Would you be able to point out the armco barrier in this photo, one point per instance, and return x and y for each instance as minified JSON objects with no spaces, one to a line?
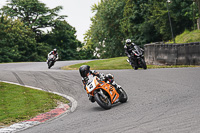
{"x":172,"y":54}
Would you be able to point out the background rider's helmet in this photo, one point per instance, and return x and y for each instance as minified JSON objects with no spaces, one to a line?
{"x":55,"y":50}
{"x":84,"y":70}
{"x":128,"y":42}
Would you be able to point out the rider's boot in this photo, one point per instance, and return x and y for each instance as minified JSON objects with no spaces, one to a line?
{"x":128,"y":61}
{"x":91,"y":98}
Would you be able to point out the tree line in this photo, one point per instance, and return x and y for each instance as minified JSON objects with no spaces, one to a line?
{"x":22,"y":36}
{"x":143,"y":21}
{"x":22,"y":22}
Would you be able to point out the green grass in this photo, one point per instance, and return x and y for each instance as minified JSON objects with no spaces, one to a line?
{"x":18,"y":103}
{"x":188,"y":37}
{"x":114,"y":63}
{"x":111,"y":63}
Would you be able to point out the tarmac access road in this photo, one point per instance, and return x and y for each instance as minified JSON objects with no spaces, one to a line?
{"x":159,"y":100}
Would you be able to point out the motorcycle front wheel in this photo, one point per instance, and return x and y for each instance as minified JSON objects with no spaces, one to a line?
{"x":50,"y":64}
{"x":134,"y":66}
{"x":102,"y":100}
{"x":123,"y":96}
{"x":143,"y":64}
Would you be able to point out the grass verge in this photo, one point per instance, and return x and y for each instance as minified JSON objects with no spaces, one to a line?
{"x":18,"y":103}
{"x":115,"y":63}
{"x":188,"y":37}
{"x":106,"y":64}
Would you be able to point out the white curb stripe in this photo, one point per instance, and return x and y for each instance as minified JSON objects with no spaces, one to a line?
{"x":19,"y":126}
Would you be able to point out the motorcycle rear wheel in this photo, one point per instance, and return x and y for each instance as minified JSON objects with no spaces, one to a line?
{"x":103,"y":102}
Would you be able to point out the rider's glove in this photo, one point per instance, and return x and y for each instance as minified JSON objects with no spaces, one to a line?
{"x":102,"y":77}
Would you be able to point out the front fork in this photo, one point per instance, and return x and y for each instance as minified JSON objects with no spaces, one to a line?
{"x":102,"y":94}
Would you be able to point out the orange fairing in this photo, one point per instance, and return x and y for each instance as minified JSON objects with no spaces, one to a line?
{"x":111,"y":91}
{"x":94,"y":85}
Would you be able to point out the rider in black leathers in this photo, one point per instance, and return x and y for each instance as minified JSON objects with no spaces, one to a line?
{"x":85,"y":72}
{"x":128,"y":47}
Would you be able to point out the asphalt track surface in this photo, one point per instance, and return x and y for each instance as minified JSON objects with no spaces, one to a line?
{"x":159,"y":100}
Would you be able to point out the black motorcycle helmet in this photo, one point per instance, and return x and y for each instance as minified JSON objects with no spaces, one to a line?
{"x":84,"y":70}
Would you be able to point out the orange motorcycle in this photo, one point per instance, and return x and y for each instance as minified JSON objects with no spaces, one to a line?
{"x":104,"y":93}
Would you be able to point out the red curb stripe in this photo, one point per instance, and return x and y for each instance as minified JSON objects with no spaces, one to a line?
{"x":48,"y":115}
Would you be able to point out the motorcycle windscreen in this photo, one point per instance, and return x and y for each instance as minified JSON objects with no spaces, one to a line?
{"x":138,"y":49}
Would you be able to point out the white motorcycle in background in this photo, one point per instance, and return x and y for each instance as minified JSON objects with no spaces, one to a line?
{"x":51,"y":60}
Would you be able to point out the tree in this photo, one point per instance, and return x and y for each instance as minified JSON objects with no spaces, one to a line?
{"x":105,"y":31}
{"x":136,"y":23}
{"x":125,"y":22}
{"x":198,"y":4}
{"x":22,"y":39}
{"x":63,"y":38}
{"x":148,"y":21}
{"x":32,"y":13}
{"x":198,"y":20}
{"x":17,"y":41}
{"x":143,"y":21}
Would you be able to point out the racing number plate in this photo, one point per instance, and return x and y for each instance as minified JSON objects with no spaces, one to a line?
{"x":90,"y":86}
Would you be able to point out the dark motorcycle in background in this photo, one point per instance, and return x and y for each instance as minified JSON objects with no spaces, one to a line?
{"x":137,"y":58}
{"x":51,"y":61}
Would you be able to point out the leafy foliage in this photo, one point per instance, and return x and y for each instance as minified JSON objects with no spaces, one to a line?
{"x":143,"y":21}
{"x":21,"y":37}
{"x":33,"y":13}
{"x":105,"y":34}
{"x":63,"y":38}
{"x":17,"y":41}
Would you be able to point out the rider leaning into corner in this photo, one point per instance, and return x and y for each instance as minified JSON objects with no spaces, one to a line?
{"x":85,"y":73}
{"x":54,"y":52}
{"x":128,"y":47}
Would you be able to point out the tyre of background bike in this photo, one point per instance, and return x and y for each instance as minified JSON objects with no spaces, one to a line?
{"x":101,"y":103}
{"x":50,"y":64}
{"x":133,"y":66}
{"x":123,"y":96}
{"x":144,"y":66}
